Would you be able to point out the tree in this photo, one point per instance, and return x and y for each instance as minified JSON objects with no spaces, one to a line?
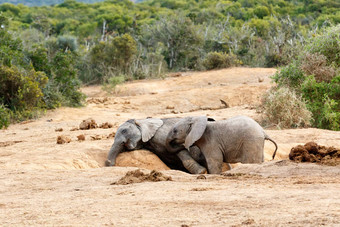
{"x":179,"y":36}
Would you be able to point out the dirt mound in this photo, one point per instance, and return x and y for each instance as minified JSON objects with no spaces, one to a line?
{"x":141,"y":159}
{"x":312,"y":152}
{"x":137,"y":176}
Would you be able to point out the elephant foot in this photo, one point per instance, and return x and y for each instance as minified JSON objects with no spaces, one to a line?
{"x":109,"y":163}
{"x":201,"y":170}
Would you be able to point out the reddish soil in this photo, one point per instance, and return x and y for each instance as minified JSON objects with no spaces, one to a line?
{"x":43,"y":183}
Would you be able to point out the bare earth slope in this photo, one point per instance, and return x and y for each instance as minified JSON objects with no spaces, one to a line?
{"x":43,"y":183}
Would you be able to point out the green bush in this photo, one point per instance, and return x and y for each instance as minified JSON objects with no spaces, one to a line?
{"x":109,"y":59}
{"x":217,"y":60}
{"x":21,"y":90}
{"x":5,"y":116}
{"x":112,"y":82}
{"x":64,"y":78}
{"x":53,"y":98}
{"x":290,"y":76}
{"x":323,"y":100}
{"x":316,"y":76}
{"x":284,"y":108}
{"x":67,"y":43}
{"x":327,"y":44}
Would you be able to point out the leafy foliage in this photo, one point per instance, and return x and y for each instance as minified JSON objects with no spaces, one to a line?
{"x":5,"y":116}
{"x":216,"y":60}
{"x":43,"y":2}
{"x":20,"y":91}
{"x":34,"y":79}
{"x":316,"y":76}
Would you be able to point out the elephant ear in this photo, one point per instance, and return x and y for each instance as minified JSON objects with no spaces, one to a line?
{"x":198,"y":126}
{"x":149,"y":127}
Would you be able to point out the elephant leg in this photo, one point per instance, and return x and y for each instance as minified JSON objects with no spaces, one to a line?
{"x":197,"y":155}
{"x":214,"y":163}
{"x":253,"y":151}
{"x":190,"y":164}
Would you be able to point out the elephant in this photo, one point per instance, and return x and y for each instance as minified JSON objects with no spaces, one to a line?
{"x":238,"y":139}
{"x":151,"y":134}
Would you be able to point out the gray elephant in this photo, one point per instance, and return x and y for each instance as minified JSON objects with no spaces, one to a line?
{"x":151,"y":134}
{"x":238,"y":139}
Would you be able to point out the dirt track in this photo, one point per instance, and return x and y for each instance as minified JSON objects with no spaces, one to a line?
{"x":44,"y":183}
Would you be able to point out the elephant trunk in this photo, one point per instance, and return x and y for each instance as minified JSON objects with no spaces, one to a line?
{"x":172,"y":146}
{"x":114,"y":151}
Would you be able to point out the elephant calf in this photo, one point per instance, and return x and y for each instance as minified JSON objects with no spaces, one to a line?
{"x":151,"y":134}
{"x":238,"y":139}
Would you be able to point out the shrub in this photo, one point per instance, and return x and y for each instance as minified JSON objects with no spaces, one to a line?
{"x":124,"y":50}
{"x":327,"y":44}
{"x":290,"y":76}
{"x":53,"y":98}
{"x":284,"y":108}
{"x":21,"y":90}
{"x":21,"y":93}
{"x":110,"y":86}
{"x":107,"y":59}
{"x":67,"y":43}
{"x":323,"y":101}
{"x":64,"y":77}
{"x":217,"y":60}
{"x":261,"y":11}
{"x":5,"y":116}
{"x":316,"y":64}
{"x":316,"y":76}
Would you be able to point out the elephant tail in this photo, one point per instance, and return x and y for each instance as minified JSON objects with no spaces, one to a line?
{"x":268,"y":138}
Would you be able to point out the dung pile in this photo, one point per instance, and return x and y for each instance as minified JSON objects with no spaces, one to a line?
{"x":88,"y":124}
{"x":138,"y":176}
{"x":312,"y":152}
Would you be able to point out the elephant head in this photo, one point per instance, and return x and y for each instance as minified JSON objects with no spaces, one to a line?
{"x":131,"y":135}
{"x":187,"y":131}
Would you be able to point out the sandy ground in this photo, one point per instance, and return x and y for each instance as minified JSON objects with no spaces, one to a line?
{"x":43,"y":183}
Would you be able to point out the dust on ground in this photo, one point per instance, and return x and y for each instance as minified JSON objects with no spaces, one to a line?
{"x":43,"y":183}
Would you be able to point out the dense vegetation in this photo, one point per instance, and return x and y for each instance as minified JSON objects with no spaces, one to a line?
{"x":42,"y":2}
{"x":315,"y":76}
{"x":47,"y":52}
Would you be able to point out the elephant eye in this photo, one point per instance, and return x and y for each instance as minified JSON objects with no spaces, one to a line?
{"x":124,"y":131}
{"x":175,"y":131}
